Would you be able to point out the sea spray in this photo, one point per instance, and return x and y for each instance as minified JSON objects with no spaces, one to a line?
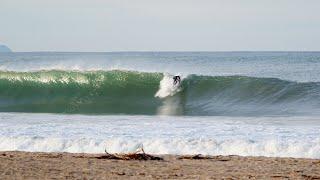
{"x":167,"y":87}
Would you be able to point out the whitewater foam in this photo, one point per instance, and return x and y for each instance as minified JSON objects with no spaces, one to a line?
{"x":167,"y":87}
{"x":282,"y":136}
{"x":243,"y":147}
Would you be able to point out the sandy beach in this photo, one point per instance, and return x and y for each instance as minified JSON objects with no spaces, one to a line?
{"x":31,"y":165}
{"x":93,"y":89}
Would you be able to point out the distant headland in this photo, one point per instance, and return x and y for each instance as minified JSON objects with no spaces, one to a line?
{"x":4,"y":48}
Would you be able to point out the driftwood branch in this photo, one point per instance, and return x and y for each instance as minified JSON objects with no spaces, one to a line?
{"x":138,"y":155}
{"x":200,"y":156}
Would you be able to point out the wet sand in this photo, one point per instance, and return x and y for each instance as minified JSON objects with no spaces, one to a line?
{"x":30,"y":165}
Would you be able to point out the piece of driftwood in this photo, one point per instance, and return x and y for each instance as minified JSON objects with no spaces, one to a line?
{"x":200,"y":156}
{"x":138,"y":155}
{"x":197,"y":156}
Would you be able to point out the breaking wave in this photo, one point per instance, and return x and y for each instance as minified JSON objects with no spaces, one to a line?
{"x":131,"y":92}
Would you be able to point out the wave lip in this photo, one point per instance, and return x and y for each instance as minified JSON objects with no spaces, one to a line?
{"x":130,"y":92}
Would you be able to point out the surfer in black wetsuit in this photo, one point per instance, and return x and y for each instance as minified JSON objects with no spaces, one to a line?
{"x":176,"y":79}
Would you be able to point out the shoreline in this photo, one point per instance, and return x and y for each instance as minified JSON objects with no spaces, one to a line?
{"x":35,"y":165}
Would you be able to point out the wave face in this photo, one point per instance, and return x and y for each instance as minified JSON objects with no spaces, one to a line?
{"x":130,"y":92}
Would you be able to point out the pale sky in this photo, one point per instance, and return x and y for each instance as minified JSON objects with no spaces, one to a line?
{"x":160,"y":25}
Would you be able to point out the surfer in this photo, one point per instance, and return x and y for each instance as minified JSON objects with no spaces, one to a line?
{"x":176,"y":79}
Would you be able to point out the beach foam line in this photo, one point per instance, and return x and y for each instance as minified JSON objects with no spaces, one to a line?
{"x":246,"y":136}
{"x":179,"y":146}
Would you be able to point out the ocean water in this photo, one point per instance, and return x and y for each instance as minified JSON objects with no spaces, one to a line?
{"x":240,"y":103}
